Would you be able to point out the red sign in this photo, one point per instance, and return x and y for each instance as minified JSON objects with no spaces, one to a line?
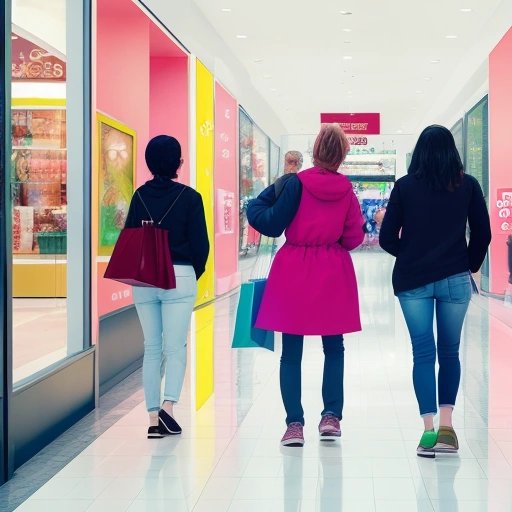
{"x":359,"y":124}
{"x":31,"y":62}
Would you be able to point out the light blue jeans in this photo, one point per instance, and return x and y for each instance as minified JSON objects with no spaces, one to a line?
{"x":165,"y":319}
{"x":449,"y":298}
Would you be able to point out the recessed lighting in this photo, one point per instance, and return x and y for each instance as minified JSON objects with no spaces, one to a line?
{"x":435,"y":61}
{"x":347,"y":30}
{"x":451,"y":36}
{"x":347,"y":42}
{"x":427,"y":78}
{"x":241,"y":36}
{"x":258,"y":60}
{"x":273,"y":89}
{"x":466,"y":9}
{"x":347,"y":57}
{"x":226,"y":9}
{"x":399,"y":131}
{"x":419,"y":92}
{"x":345,"y":13}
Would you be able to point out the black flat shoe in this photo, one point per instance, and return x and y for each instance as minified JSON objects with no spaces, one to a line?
{"x":168,"y":424}
{"x":154,"y":433}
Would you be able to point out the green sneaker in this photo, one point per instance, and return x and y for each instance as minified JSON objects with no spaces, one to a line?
{"x":426,"y":446}
{"x":447,"y":441}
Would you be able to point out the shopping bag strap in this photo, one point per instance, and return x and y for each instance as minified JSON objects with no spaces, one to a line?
{"x":168,"y":209}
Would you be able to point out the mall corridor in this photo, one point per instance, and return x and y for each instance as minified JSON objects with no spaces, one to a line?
{"x":229,"y":458}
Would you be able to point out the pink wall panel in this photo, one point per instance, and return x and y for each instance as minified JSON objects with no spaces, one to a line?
{"x":500,"y":196}
{"x":148,"y":94}
{"x":169,"y":103}
{"x":123,"y":70}
{"x":226,"y":192}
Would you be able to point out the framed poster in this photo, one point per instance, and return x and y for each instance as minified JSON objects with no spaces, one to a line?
{"x":116,"y":179}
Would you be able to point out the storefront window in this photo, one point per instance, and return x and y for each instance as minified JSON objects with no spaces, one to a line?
{"x":45,"y":294}
{"x":254,"y":178}
{"x":476,"y":161}
{"x":274,"y":162}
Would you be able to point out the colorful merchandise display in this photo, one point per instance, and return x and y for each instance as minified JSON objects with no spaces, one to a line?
{"x":38,"y":180}
{"x":372,"y":173}
{"x":373,"y":197}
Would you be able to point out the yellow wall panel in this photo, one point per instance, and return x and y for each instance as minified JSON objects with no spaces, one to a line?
{"x":204,"y":168}
{"x":204,"y":318}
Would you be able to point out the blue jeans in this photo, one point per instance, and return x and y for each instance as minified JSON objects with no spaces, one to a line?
{"x":450,"y":299}
{"x":165,"y":319}
{"x":290,"y":376}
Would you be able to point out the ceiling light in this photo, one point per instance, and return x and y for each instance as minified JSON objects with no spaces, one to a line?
{"x":258,"y":60}
{"x":345,"y":13}
{"x":347,"y":42}
{"x":451,"y":36}
{"x":241,"y":36}
{"x":427,"y":78}
{"x":347,"y":30}
{"x":419,"y":92}
{"x":466,"y":9}
{"x":273,"y":89}
{"x":349,"y":92}
{"x":226,"y":9}
{"x":399,"y":131}
{"x":435,"y":61}
{"x":347,"y":57}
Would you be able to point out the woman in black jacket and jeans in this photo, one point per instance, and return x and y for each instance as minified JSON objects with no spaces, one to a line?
{"x":165,"y":314}
{"x":425,"y":229}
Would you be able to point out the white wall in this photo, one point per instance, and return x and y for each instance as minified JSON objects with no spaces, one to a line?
{"x":187,"y":23}
{"x":469,"y":81}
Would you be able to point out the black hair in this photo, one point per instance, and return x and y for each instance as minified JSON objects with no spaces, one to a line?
{"x":436,"y":159}
{"x":163,"y":156}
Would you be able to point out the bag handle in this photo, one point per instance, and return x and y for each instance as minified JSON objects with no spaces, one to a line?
{"x":168,"y":209}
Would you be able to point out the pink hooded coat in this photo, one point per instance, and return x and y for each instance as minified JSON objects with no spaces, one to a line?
{"x":312,"y":288}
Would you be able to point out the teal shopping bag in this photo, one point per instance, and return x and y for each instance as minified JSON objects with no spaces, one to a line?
{"x":246,"y":335}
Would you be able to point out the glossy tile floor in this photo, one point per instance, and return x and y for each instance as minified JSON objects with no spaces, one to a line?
{"x":229,"y":458}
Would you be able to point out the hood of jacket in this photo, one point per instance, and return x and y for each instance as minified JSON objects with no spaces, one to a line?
{"x":159,"y":188}
{"x":325,"y":185}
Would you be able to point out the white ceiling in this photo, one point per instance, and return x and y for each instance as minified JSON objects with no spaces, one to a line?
{"x":306,"y":57}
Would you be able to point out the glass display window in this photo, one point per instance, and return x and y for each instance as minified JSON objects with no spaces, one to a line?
{"x":38,"y":180}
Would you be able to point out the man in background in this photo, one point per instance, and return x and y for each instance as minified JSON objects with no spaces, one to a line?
{"x":292,"y":165}
{"x":292,"y":162}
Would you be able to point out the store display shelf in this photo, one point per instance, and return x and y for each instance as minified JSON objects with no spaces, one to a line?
{"x":38,"y":182}
{"x":39,"y":259}
{"x":39,"y":148}
{"x":371,"y":177}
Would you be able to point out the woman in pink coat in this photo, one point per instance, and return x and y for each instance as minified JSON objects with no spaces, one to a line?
{"x":311,"y":288}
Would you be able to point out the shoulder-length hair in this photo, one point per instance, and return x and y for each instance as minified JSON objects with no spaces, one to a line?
{"x":436,"y":159}
{"x":331,"y":147}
